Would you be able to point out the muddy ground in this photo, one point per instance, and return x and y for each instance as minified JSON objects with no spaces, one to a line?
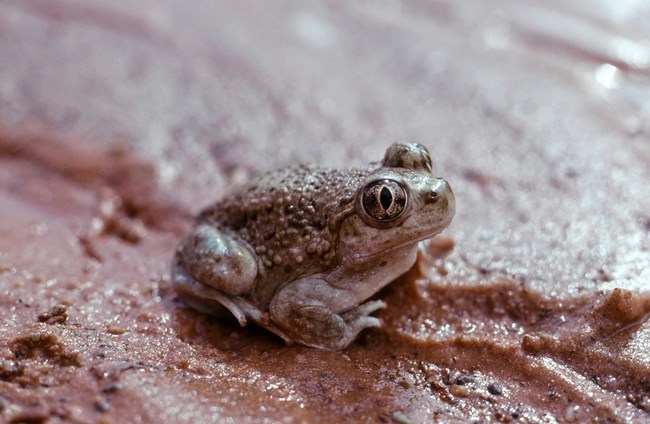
{"x":119,"y":122}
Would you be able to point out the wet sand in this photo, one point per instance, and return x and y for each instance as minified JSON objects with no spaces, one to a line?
{"x":118,"y":123}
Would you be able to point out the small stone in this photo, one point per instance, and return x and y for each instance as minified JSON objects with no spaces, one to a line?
{"x":112,"y":388}
{"x":495,"y":389}
{"x":459,"y":391}
{"x":400,"y":417}
{"x":8,"y":369}
{"x":464,"y":379}
{"x":405,"y":384}
{"x":101,"y":404}
{"x":58,"y":314}
{"x":116,"y":331}
{"x":450,"y":377}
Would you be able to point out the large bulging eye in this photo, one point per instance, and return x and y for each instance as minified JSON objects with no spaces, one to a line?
{"x":384,"y":200}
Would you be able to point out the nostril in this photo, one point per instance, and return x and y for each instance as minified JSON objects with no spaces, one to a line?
{"x":432,"y":197}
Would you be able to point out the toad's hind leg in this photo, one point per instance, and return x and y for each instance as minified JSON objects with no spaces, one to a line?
{"x":211,"y":268}
{"x":304,"y":310}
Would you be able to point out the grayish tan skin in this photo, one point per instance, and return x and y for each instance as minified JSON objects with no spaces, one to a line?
{"x":299,"y":250}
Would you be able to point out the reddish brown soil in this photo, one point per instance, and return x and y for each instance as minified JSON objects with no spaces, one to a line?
{"x":119,"y":122}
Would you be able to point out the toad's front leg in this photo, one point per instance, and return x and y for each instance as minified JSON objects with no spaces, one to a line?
{"x":306,"y":310}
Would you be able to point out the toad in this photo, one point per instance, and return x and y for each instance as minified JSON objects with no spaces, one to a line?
{"x":300,"y":250}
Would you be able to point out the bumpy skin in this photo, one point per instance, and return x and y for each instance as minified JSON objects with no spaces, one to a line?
{"x":299,"y":249}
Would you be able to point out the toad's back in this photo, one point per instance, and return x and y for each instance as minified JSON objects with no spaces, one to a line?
{"x":290,"y":217}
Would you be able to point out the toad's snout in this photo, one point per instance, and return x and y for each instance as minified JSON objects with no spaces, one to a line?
{"x":442,"y":198}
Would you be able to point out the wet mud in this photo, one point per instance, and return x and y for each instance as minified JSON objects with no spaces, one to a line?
{"x":119,"y":122}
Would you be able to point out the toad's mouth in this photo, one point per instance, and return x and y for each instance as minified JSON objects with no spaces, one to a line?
{"x":365,"y":257}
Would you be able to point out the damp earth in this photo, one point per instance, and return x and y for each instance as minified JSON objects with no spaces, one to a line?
{"x":120,"y":122}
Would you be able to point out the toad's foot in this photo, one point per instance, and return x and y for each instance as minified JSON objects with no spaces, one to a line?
{"x":363,"y":310}
{"x":317,"y":326}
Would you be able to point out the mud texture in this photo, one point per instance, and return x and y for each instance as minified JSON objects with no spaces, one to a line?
{"x":119,"y":122}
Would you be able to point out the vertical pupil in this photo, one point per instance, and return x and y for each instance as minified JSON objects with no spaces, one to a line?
{"x":385,"y":198}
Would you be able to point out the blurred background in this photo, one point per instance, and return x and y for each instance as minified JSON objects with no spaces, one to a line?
{"x":541,"y":106}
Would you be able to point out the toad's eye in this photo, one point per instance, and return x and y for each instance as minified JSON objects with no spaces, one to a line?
{"x":383,"y":200}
